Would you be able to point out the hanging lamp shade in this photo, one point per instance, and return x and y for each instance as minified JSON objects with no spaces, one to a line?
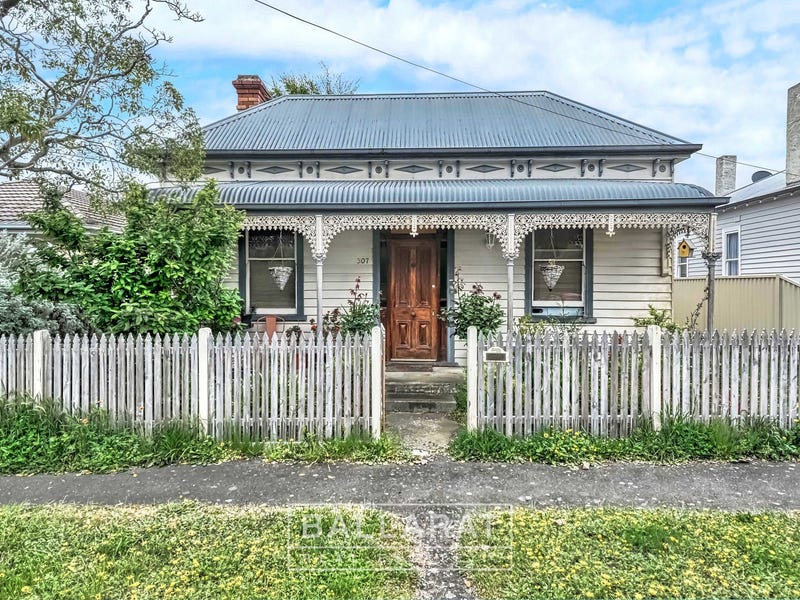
{"x":280,"y":275}
{"x":551,"y":273}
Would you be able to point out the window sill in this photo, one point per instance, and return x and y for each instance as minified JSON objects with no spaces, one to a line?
{"x":561,"y":319}
{"x":293,"y":318}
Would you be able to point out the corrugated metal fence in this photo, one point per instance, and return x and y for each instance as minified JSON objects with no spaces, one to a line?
{"x":607,"y":383}
{"x":742,"y":302}
{"x":246,"y":385}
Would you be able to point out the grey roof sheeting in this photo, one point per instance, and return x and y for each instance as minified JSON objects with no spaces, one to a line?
{"x":378,"y":124}
{"x":20,"y":197}
{"x":448,"y":194}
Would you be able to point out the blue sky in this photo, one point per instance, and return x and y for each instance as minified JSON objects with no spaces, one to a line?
{"x":711,"y":72}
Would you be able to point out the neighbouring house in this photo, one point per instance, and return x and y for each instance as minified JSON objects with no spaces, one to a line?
{"x":18,"y":198}
{"x":400,"y":190}
{"x":758,"y":230}
{"x":758,"y":236}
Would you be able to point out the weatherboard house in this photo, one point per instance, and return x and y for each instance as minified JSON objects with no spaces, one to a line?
{"x":564,"y":210}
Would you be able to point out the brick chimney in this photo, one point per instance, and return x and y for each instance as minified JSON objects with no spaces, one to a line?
{"x":250,"y":90}
{"x":726,"y":175}
{"x":793,"y":136}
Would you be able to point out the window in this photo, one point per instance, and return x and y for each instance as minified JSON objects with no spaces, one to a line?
{"x":683,"y":266}
{"x":731,"y":261}
{"x":272,"y":271}
{"x":563,"y":248}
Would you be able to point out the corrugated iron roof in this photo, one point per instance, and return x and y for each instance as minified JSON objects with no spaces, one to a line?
{"x":18,"y":198}
{"x":469,"y":194}
{"x":398,"y":122}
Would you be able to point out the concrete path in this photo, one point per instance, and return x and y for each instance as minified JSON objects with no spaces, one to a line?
{"x":424,"y":434}
{"x":730,"y":486}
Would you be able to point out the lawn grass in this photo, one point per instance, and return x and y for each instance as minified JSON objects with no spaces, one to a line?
{"x":633,"y":554}
{"x":679,"y":439}
{"x":40,"y":438}
{"x":190,"y":551}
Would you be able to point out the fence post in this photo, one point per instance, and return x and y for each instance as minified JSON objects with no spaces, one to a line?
{"x":654,"y":334}
{"x":201,"y":380}
{"x":472,"y":379}
{"x":40,"y":337}
{"x":376,"y":377}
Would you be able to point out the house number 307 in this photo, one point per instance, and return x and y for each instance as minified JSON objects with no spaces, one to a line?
{"x":362,"y":261}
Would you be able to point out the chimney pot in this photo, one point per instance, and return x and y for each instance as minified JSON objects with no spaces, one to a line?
{"x":726,"y":175}
{"x":250,"y":91}
{"x":793,"y":135}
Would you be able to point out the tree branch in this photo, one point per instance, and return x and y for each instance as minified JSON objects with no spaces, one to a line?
{"x":6,"y":6}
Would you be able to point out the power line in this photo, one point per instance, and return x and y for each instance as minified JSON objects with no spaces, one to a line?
{"x":473,"y":85}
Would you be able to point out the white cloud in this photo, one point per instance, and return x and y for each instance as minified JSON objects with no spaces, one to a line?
{"x":715,"y":74}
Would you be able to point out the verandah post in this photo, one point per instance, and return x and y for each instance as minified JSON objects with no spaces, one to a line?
{"x":376,"y":377}
{"x":201,"y":377}
{"x":40,"y":337}
{"x":472,"y":379}
{"x":654,"y":335}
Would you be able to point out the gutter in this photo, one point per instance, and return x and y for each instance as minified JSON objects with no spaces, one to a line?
{"x":645,"y":151}
{"x":672,"y":205}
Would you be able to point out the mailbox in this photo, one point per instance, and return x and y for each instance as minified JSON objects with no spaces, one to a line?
{"x":495,"y":354}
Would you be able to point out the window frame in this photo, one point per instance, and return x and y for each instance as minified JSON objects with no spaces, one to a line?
{"x":587,"y":291}
{"x":682,"y":267}
{"x":725,"y":258}
{"x":296,"y":313}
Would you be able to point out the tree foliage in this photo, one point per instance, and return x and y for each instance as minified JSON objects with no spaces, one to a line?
{"x":20,"y":314}
{"x":83,"y":98}
{"x":163,"y":273}
{"x":324,"y":82}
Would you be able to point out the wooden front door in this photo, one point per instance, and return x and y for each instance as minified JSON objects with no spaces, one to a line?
{"x":414,"y":297}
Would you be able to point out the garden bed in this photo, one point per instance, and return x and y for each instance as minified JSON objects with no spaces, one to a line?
{"x":42,"y":439}
{"x":678,"y":439}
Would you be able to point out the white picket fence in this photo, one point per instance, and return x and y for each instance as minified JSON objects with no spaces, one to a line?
{"x":247,"y":385}
{"x":607,"y":383}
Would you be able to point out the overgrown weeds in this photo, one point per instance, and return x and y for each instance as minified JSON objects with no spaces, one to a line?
{"x":679,"y":439}
{"x":38,"y":437}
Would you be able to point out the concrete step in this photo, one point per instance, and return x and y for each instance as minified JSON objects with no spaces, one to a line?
{"x":412,"y":388}
{"x":419,"y":405}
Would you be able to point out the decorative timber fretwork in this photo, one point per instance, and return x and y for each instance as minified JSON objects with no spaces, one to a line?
{"x":510,"y":229}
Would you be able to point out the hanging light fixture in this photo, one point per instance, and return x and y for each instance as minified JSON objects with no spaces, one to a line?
{"x":551,"y":272}
{"x":490,"y":240}
{"x":281,"y":273}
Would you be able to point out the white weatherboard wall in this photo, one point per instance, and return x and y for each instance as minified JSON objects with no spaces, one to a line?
{"x":349,"y":256}
{"x":627,"y":277}
{"x":769,"y":239}
{"x":488,"y":268}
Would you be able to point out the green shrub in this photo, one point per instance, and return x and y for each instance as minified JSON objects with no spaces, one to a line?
{"x":472,"y":309}
{"x":361,"y":314}
{"x":658,"y":317}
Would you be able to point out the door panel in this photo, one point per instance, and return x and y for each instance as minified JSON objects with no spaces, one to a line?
{"x":414,"y":297}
